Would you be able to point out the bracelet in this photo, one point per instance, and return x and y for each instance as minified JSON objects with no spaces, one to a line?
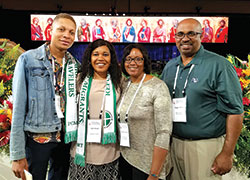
{"x":154,"y":175}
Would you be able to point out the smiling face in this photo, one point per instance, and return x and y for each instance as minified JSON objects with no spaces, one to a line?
{"x":135,"y":70}
{"x":62,"y":34}
{"x":189,"y":46}
{"x":100,"y":61}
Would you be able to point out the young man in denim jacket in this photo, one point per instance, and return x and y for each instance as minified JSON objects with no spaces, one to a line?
{"x":37,"y":135}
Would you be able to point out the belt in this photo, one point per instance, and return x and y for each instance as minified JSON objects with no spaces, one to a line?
{"x":192,"y":139}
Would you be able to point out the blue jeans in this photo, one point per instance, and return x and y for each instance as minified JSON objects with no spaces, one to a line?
{"x":39,"y":155}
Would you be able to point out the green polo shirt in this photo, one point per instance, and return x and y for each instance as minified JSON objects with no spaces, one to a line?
{"x":213,"y":91}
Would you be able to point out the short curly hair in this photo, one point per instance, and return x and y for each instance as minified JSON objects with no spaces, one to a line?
{"x":147,"y":61}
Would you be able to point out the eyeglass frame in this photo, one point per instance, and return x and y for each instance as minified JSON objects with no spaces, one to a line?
{"x":134,"y":59}
{"x":187,"y":34}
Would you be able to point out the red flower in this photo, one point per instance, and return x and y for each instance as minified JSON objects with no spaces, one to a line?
{"x":3,"y":118}
{"x":238,"y":71}
{"x":4,"y":138}
{"x":9,"y":104}
{"x":1,"y":100}
{"x":5,"y":77}
{"x":241,"y":85}
{"x":4,"y":122}
{"x":1,"y":50}
{"x":246,"y":101}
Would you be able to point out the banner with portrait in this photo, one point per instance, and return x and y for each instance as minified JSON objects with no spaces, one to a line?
{"x":127,"y":29}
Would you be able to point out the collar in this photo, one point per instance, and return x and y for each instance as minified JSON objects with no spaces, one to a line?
{"x":197,"y":59}
{"x":47,"y":50}
{"x":67,"y":55}
{"x":42,"y":53}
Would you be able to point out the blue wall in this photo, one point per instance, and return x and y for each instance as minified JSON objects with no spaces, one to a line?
{"x":157,"y":52}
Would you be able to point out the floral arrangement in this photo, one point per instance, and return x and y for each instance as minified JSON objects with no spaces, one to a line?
{"x":242,"y":150}
{"x":9,"y":52}
{"x":243,"y":71}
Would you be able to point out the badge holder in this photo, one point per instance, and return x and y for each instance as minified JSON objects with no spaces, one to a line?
{"x":94,"y":131}
{"x":58,"y":107}
{"x":124,"y":134}
{"x":179,"y":109}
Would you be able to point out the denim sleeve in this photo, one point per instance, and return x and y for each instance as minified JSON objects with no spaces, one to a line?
{"x":19,"y":88}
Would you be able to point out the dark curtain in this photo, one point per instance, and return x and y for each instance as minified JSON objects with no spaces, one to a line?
{"x":160,"y":54}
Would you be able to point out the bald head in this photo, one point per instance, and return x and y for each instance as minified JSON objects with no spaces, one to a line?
{"x":191,"y":21}
{"x":189,"y":35}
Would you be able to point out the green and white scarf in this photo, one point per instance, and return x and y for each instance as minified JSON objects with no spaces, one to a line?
{"x":71,"y":101}
{"x":109,"y":120}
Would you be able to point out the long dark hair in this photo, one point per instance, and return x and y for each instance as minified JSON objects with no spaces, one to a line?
{"x":114,"y":68}
{"x":147,"y":61}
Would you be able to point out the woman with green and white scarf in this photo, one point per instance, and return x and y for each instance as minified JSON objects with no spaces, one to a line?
{"x":94,"y":151}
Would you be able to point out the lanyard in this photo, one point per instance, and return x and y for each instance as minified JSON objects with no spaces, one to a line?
{"x":53,"y":66}
{"x":175,"y":80}
{"x":137,"y":90}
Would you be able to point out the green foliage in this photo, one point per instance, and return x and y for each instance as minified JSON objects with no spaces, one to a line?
{"x":9,"y":53}
{"x":242,"y":150}
{"x":156,"y":75}
{"x":8,"y":59}
{"x":1,"y":89}
{"x":5,"y":150}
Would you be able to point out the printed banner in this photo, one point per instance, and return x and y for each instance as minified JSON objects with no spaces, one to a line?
{"x":157,"y":29}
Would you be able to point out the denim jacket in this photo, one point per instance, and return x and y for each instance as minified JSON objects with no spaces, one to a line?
{"x":33,"y":99}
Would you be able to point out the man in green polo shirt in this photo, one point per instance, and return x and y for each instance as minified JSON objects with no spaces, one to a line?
{"x":207,"y":107}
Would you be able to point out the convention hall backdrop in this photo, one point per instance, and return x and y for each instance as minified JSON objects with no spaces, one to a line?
{"x":16,"y":21}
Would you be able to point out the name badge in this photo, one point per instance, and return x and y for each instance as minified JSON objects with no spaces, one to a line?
{"x":124,"y":134}
{"x":179,"y":109}
{"x":94,"y":131}
{"x":58,"y":107}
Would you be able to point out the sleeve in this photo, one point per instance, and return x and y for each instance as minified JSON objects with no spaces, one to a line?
{"x":138,"y":35}
{"x":162,"y":115}
{"x":19,"y":87}
{"x":93,"y":33}
{"x":148,"y":33}
{"x":132,"y":30}
{"x":229,"y":94}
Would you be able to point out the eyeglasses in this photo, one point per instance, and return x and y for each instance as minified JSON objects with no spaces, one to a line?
{"x":138,"y":60}
{"x":190,"y":34}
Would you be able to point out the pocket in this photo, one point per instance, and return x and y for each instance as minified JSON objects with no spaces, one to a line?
{"x":41,"y":78}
